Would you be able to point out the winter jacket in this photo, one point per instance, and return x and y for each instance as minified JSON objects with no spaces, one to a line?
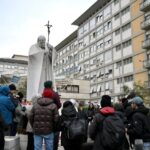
{"x":6,"y":105}
{"x":68,"y":113}
{"x":43,"y":117}
{"x":139,"y":128}
{"x":50,"y":93}
{"x":96,"y":126}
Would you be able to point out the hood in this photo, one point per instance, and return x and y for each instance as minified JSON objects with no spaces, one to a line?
{"x":107,"y":110}
{"x":49,"y":93}
{"x":142,"y":109}
{"x":4,"y":90}
{"x":69,"y":111}
{"x":44,"y":101}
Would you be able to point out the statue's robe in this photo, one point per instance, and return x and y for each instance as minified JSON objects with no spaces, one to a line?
{"x":40,"y":69}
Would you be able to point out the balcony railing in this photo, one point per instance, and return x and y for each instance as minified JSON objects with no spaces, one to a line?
{"x":147,"y":63}
{"x":147,"y":84}
{"x":145,"y":6}
{"x":146,"y":43}
{"x":145,"y":24}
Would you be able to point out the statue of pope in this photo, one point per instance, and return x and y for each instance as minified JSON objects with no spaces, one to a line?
{"x":40,"y":66}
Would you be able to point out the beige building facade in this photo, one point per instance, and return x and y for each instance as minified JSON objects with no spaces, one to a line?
{"x":110,"y":48}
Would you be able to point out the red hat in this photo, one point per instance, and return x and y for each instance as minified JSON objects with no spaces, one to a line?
{"x":47,"y":93}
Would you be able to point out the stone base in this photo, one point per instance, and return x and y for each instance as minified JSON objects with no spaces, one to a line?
{"x":12,"y":143}
{"x":23,"y":141}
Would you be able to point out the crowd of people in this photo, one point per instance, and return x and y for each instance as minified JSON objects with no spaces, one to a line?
{"x":107,"y":126}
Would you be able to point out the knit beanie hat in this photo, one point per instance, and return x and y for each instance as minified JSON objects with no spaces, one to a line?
{"x":47,"y":93}
{"x":48,"y":84}
{"x":105,"y":101}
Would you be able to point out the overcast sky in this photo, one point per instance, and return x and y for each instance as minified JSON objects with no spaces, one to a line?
{"x":22,"y":21}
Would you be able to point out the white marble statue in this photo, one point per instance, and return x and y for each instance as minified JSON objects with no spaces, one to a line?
{"x":40,"y":66}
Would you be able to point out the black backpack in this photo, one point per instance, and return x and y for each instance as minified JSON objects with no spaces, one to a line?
{"x":76,"y":130}
{"x":113,"y":132}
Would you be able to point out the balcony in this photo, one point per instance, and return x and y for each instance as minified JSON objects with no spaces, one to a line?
{"x":145,"y":6}
{"x":145,"y":25}
{"x":147,"y":84}
{"x":147,"y":63}
{"x":146,"y":44}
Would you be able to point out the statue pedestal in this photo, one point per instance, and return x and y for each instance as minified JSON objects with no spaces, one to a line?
{"x":12,"y":143}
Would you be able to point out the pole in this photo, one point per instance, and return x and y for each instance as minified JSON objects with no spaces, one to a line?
{"x":48,"y":28}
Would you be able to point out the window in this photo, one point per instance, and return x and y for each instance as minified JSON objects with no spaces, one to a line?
{"x":108,"y":42}
{"x":116,"y":2}
{"x":127,"y":61}
{"x":86,"y":41}
{"x":117,"y":32}
{"x":108,"y":55}
{"x":93,"y":49}
{"x":80,"y":32}
{"x":107,"y":26}
{"x":128,"y":78}
{"x":118,"y":64}
{"x":72,"y":88}
{"x":126,"y":44}
{"x":99,"y":18}
{"x":92,"y":23}
{"x":107,"y":86}
{"x":93,"y":35}
{"x":118,"y":47}
{"x":80,"y":43}
{"x":100,"y":30}
{"x":126,"y":27}
{"x":100,"y":44}
{"x":86,"y":28}
{"x":119,"y":80}
{"x":117,"y":16}
{"x":126,"y":10}
{"x":107,"y":12}
{"x":86,"y":52}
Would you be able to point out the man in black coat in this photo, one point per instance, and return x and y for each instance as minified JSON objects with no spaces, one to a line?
{"x":139,"y":128}
{"x":96,"y":127}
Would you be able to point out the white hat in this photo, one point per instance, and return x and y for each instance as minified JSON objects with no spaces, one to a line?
{"x":73,"y":101}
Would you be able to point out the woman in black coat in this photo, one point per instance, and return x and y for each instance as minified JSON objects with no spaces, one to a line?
{"x":68,"y":113}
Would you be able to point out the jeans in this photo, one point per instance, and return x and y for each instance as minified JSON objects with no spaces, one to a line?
{"x":146,"y":146}
{"x":48,"y":140}
{"x":56,"y":140}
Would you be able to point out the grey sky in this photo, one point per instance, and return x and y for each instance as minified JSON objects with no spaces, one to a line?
{"x":22,"y":21}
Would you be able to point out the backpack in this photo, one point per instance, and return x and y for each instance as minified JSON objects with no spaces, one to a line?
{"x":113,"y":132}
{"x":76,"y":130}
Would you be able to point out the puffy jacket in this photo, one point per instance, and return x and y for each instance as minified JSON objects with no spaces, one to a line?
{"x":68,"y":113}
{"x":44,"y":115}
{"x":6,"y":105}
{"x":140,"y":128}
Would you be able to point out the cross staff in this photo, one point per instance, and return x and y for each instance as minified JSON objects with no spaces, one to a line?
{"x":48,"y":27}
